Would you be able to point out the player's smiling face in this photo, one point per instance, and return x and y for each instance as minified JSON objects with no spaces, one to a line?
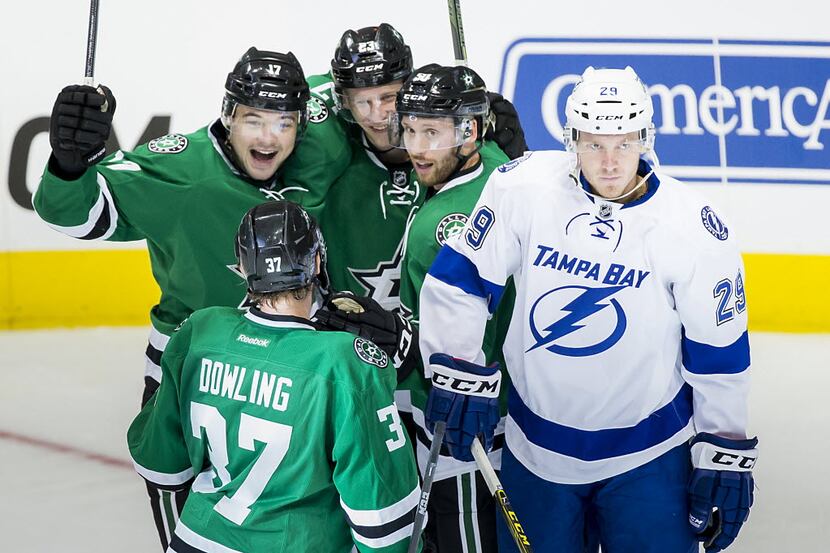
{"x":609,"y":161}
{"x":431,"y":143}
{"x":262,"y":140}
{"x":371,"y":107}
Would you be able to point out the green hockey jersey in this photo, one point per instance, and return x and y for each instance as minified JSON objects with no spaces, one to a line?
{"x":289,"y":435}
{"x":365,"y":216}
{"x":182,"y":194}
{"x":441,"y":217}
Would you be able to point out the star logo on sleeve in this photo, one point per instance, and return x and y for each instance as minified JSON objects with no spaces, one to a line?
{"x":383,"y":283}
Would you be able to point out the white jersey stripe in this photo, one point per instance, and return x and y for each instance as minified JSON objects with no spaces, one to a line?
{"x":164,"y":478}
{"x":379,"y":517}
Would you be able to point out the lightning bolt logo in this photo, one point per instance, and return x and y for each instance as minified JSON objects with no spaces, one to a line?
{"x":580,"y":308}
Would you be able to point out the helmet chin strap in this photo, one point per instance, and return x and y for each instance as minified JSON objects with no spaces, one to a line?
{"x":639,"y":185}
{"x":462,"y":160}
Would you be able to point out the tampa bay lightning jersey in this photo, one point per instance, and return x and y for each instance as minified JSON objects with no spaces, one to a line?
{"x":629,"y":328}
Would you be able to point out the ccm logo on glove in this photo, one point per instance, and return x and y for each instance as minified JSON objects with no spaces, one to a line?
{"x":460,"y":382}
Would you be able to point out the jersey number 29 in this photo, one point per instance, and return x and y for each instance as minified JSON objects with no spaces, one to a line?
{"x":276,"y":438}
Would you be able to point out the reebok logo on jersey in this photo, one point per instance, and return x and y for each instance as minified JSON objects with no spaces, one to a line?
{"x":261,"y":342}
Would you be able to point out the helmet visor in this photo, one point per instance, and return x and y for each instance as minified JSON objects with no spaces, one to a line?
{"x":420,"y":132}
{"x":260,"y":122}
{"x":367,"y":105}
{"x":599,"y":145}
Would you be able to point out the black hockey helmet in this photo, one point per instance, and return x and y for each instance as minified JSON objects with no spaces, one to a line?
{"x":371,"y":56}
{"x":266,"y":80}
{"x":277,"y":245}
{"x":442,"y":91}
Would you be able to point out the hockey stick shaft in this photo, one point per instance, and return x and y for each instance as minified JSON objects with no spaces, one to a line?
{"x":457,"y":29}
{"x":429,"y":477}
{"x":91,"y":43}
{"x":496,"y":489}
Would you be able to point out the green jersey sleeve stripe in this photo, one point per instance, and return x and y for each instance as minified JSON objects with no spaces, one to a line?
{"x":164,"y":478}
{"x":101,"y":221}
{"x":379,"y":517}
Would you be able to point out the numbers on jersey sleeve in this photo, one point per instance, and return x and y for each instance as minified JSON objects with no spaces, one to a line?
{"x":725,"y":310}
{"x":480,"y":224}
{"x":395,"y":427}
{"x":276,"y":438}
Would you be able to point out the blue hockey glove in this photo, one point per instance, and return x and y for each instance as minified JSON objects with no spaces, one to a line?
{"x":466,"y":397}
{"x":721,"y":488}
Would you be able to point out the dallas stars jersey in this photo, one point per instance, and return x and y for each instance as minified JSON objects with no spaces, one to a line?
{"x":291,"y":434}
{"x":437,"y":220}
{"x":365,"y":218}
{"x":629,"y":329}
{"x":183,"y":196}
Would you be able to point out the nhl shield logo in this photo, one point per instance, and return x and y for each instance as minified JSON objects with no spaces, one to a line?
{"x":168,"y":144}
{"x":399,"y":178}
{"x":317,"y":110}
{"x":370,"y":353}
{"x":449,"y":226}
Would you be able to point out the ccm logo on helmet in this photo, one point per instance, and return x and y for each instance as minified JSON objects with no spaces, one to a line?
{"x":278,"y":95}
{"x":730,"y":459}
{"x":368,"y":68}
{"x":608,"y":117}
{"x":415,"y":97}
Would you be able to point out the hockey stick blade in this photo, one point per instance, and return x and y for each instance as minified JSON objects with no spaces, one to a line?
{"x":498,"y":492}
{"x":432,"y":463}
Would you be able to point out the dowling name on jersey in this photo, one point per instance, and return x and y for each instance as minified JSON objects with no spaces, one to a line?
{"x":227,"y":380}
{"x":615,"y":274}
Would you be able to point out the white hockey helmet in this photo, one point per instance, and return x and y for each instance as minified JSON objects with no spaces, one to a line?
{"x":609,"y":101}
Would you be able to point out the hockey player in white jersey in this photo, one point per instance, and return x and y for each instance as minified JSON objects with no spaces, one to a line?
{"x":627,"y":348}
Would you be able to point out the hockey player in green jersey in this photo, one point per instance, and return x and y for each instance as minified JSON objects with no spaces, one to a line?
{"x":441,"y":112}
{"x":368,"y":207}
{"x":184,"y":194}
{"x":287,"y":436}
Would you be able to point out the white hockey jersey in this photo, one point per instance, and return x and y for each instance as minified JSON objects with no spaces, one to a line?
{"x":629,"y":328}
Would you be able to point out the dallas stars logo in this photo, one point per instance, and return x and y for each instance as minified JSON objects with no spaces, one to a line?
{"x":383,"y":283}
{"x":468,"y":80}
{"x":449,"y":226}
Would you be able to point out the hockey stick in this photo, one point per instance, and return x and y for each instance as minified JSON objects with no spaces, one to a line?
{"x":457,"y":29}
{"x":91,"y":43}
{"x":496,"y":489}
{"x":91,"y":47}
{"x":432,"y":463}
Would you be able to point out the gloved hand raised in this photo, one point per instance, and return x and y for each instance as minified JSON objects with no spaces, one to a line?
{"x":508,"y":132}
{"x":366,"y":318}
{"x":466,"y":397}
{"x":721,"y":488}
{"x":80,"y":125}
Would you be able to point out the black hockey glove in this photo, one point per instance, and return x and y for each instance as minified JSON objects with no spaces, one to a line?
{"x":367,"y":319}
{"x":508,"y":133}
{"x":78,"y":129}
